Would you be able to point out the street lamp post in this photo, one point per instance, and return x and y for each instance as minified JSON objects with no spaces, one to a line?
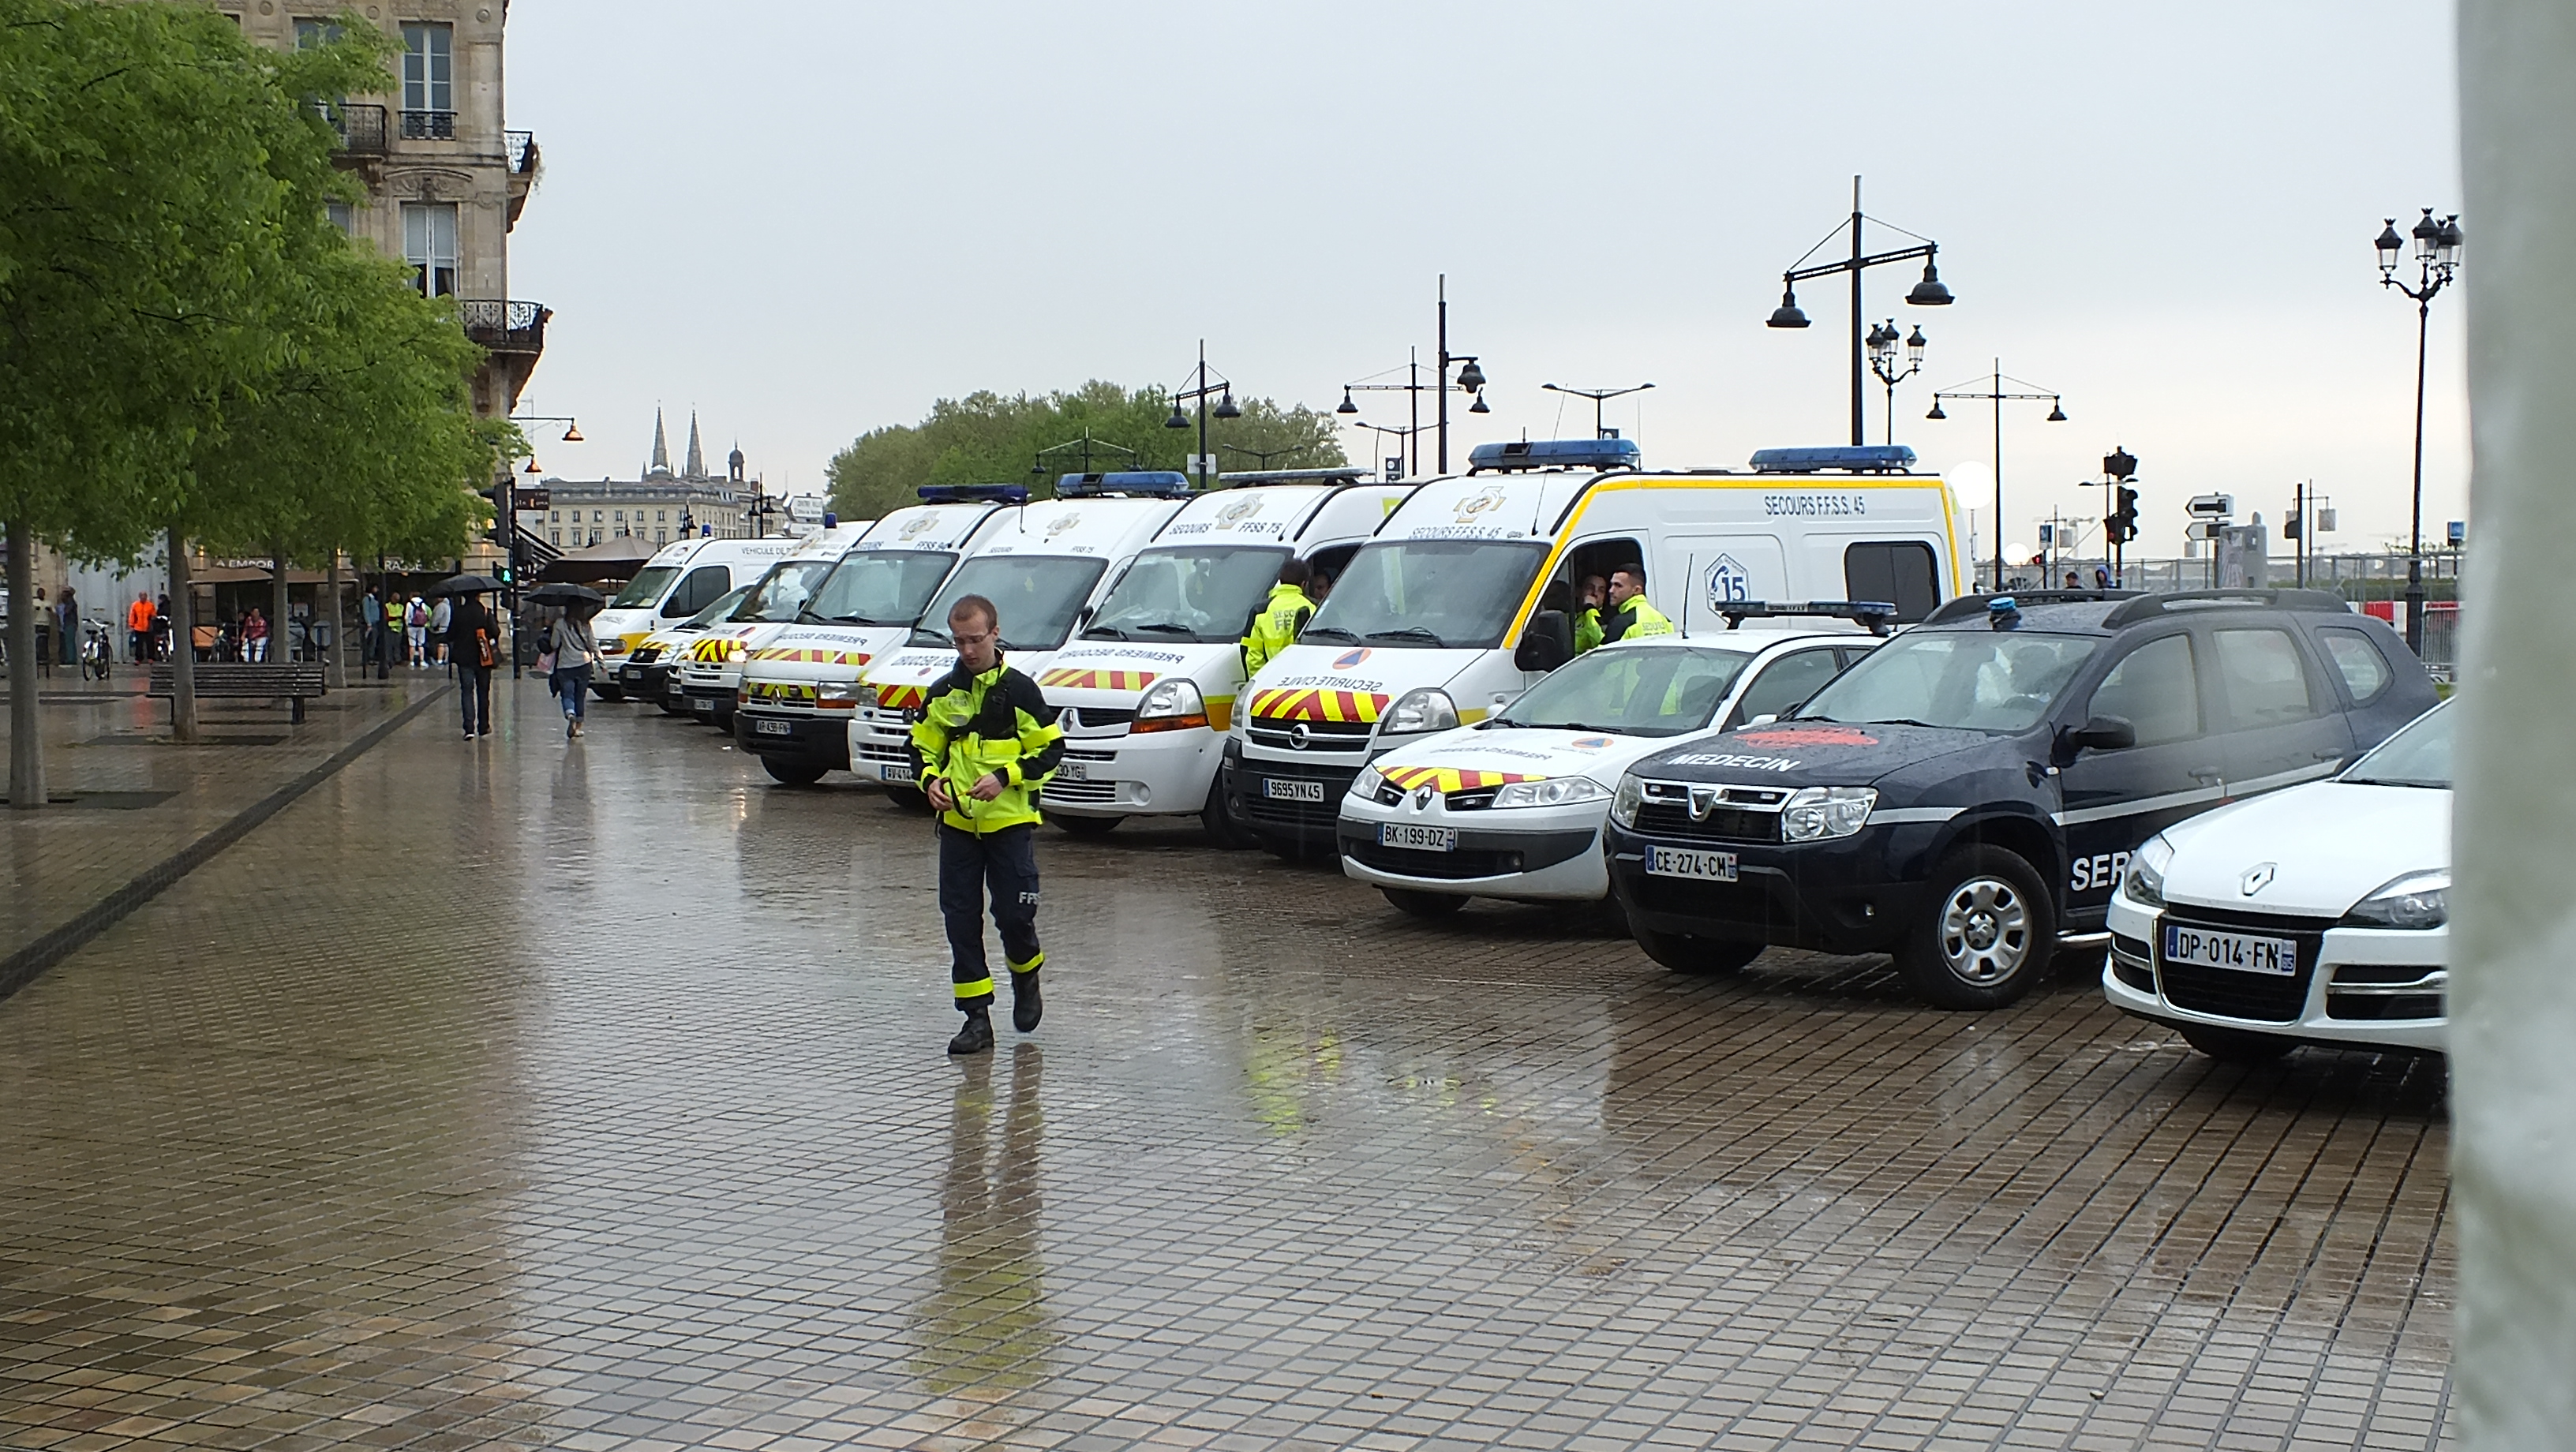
{"x":1198,"y":391}
{"x":1996,"y":393}
{"x":1403,"y":447}
{"x":2437,"y":261}
{"x":1882,"y":341}
{"x":1471,"y":379}
{"x":509,"y":522}
{"x":1261,"y":457}
{"x":1598,"y":397}
{"x":1929,"y":293}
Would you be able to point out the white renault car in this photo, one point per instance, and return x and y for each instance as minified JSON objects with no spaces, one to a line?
{"x":2315,"y":915}
{"x":1512,"y":806}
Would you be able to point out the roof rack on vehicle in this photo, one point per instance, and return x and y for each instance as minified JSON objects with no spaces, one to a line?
{"x":1145,"y":483}
{"x":2147,"y":606}
{"x":1973,"y":607}
{"x":1878,"y":616}
{"x":1339,"y":474}
{"x":974,"y":493}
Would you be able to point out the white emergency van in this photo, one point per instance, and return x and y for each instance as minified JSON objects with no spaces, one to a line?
{"x":1046,"y":568}
{"x":679,"y":581}
{"x":1148,"y":688}
{"x":1462,"y":600}
{"x":708,"y":670}
{"x":792,"y":708}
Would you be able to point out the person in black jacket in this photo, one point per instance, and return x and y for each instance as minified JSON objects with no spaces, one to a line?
{"x":474,"y":634}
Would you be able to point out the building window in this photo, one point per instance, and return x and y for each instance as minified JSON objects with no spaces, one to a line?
{"x":661,"y":516}
{"x":558,"y":537}
{"x":342,"y":215}
{"x":661,"y":535}
{"x":429,"y":81}
{"x":429,"y":245}
{"x":555,"y":518}
{"x":595,"y":517}
{"x":312,"y":33}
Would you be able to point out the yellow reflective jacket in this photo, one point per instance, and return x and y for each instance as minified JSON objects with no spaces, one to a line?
{"x":1636,"y":618}
{"x":975,"y":726}
{"x":1275,"y":628}
{"x":1587,"y":629}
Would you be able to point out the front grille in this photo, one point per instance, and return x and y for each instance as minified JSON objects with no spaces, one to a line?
{"x":2381,"y":991}
{"x":2228,"y":993}
{"x":645,"y":655}
{"x":879,"y":751}
{"x":1320,"y":735}
{"x":1305,"y":817}
{"x":2383,"y":1006}
{"x":2132,"y":963}
{"x":1072,"y":755}
{"x":1445,"y":866}
{"x":1475,"y":801}
{"x":1725,"y":824}
{"x":1088,"y":717}
{"x":1090,"y":793}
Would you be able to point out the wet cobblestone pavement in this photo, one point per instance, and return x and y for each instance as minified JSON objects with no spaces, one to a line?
{"x":523,"y":1094}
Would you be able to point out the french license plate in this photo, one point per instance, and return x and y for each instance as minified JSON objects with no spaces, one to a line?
{"x":898,"y":771}
{"x":2242,"y":952}
{"x":1286,"y":789}
{"x":773,"y":728}
{"x":1074,"y":770}
{"x":1690,"y":862}
{"x":631,"y":675}
{"x":1419,"y":839}
{"x":702,"y":705}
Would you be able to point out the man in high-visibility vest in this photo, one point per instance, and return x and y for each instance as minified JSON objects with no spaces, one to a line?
{"x":1275,"y":625}
{"x":1629,"y":614}
{"x":1587,"y":612}
{"x":985,"y":742}
{"x":138,"y":626}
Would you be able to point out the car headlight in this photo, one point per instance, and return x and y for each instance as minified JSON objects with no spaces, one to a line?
{"x":1172,"y":705}
{"x":2145,"y":882}
{"x":1624,"y":805}
{"x":2418,"y":901}
{"x":1425,"y":709}
{"x":839,"y":695}
{"x":1366,"y":785}
{"x":1817,"y":814}
{"x":1553,"y":792}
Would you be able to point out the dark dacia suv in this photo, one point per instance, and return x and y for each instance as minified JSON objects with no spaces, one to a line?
{"x":1967,"y":795}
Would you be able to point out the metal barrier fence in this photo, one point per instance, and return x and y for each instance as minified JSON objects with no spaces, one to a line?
{"x":2374,"y":582}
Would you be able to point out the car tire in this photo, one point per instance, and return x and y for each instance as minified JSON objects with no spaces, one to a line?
{"x":609,"y":693}
{"x":791,"y":773}
{"x":1422,"y":904}
{"x":911,"y":799}
{"x":1684,"y":953}
{"x":2234,"y":1046}
{"x":1986,"y":933}
{"x":1614,"y":916}
{"x":1223,"y":828}
{"x":1086,"y":826}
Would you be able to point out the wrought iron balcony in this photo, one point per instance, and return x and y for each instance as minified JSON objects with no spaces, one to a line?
{"x":505,"y":327}
{"x":361,"y":127}
{"x":429,"y":125}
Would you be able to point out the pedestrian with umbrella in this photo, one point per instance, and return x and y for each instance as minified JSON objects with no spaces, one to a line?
{"x":475,"y":635}
{"x":571,"y":650}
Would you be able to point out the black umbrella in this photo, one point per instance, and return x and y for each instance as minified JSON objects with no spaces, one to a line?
{"x":465,"y":585}
{"x":566,"y":595}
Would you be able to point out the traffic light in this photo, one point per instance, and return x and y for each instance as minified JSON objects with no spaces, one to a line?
{"x":503,"y":575}
{"x":2122,"y":524}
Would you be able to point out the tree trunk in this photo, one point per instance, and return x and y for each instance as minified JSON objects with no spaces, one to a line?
{"x":183,"y":643}
{"x":26,"y":728}
{"x":326,"y":615}
{"x":279,"y":645}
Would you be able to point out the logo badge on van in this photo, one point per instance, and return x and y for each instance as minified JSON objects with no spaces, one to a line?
{"x":1063,"y":524}
{"x":2258,"y":877}
{"x":1490,"y":497}
{"x":1728,"y":582}
{"x":915,"y":528}
{"x":1349,"y":658}
{"x":1239,"y":511}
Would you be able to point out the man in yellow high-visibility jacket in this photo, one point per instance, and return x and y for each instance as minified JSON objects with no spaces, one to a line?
{"x":985,"y":742}
{"x":1275,"y":626}
{"x":1629,"y":614}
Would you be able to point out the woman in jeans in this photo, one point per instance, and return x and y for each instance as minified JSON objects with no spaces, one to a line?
{"x":575,"y":651}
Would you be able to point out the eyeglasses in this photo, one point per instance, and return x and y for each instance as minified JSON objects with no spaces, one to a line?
{"x":962,"y":638}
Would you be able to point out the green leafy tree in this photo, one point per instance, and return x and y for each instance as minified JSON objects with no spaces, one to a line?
{"x":988,"y":438}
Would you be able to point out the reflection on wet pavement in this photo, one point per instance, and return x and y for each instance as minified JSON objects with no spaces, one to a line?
{"x":592,"y":1096}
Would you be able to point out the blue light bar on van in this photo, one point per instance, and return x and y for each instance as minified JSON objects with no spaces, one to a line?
{"x":1849,"y":458}
{"x":973,"y":493}
{"x":1159,"y":483}
{"x":1554,"y":454}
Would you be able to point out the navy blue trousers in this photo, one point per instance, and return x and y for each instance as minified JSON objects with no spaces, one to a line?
{"x":1005,"y":863}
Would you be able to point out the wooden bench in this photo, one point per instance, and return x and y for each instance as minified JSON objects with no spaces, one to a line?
{"x":232,"y":680}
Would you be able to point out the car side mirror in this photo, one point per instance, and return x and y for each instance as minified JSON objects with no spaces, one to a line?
{"x":2102,"y":733}
{"x":1547,"y":644}
{"x":1765,"y":719}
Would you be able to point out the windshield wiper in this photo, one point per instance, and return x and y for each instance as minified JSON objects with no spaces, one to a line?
{"x":1162,"y":629}
{"x":1329,"y":630}
{"x":1104,"y":632}
{"x":1406,"y":632}
{"x":2395,"y":781}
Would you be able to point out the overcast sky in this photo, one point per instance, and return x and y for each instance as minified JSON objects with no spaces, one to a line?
{"x":808,"y":220}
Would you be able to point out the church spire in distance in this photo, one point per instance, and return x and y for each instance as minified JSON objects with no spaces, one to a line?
{"x":697,"y":455}
{"x":661,"y":447}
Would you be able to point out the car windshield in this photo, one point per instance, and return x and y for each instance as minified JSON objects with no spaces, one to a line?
{"x":1647,"y":692}
{"x":1974,"y":680}
{"x":879,"y":587}
{"x":646,"y":587}
{"x":715,"y":612}
{"x":781,"y":594}
{"x":1037,"y":597}
{"x":2419,"y":755}
{"x":1206,"y":594}
{"x":1459,"y":593}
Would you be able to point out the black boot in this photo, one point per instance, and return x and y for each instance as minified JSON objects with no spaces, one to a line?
{"x":1026,"y":1006}
{"x":977,"y":1036}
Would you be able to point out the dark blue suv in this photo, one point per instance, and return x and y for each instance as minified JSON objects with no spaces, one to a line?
{"x":1967,"y":795}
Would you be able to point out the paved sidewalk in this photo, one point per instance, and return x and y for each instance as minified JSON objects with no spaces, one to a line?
{"x":609,"y":1112}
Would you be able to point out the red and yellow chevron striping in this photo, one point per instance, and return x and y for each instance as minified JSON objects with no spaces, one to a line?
{"x":902,"y":697}
{"x":1074,"y":678}
{"x":1449,"y":779}
{"x":1316,"y":705}
{"x":815,"y":656}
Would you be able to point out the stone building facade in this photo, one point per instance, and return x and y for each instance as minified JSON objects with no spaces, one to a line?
{"x":662,"y":504}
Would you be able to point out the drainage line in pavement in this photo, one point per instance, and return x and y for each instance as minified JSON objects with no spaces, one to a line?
{"x":21,"y":968}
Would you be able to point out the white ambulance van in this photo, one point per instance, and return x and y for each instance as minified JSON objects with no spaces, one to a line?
{"x":1459,"y":603}
{"x":680,"y":580}
{"x":1046,"y":569}
{"x":708,"y":670}
{"x":792,"y":709}
{"x":1148,"y":688}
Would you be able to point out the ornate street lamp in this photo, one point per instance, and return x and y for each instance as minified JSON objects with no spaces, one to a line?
{"x":2437,"y":261}
{"x":1928,"y":293}
{"x":1995,"y":392}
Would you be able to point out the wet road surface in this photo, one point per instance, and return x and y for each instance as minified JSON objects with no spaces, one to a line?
{"x":531,"y":1094}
